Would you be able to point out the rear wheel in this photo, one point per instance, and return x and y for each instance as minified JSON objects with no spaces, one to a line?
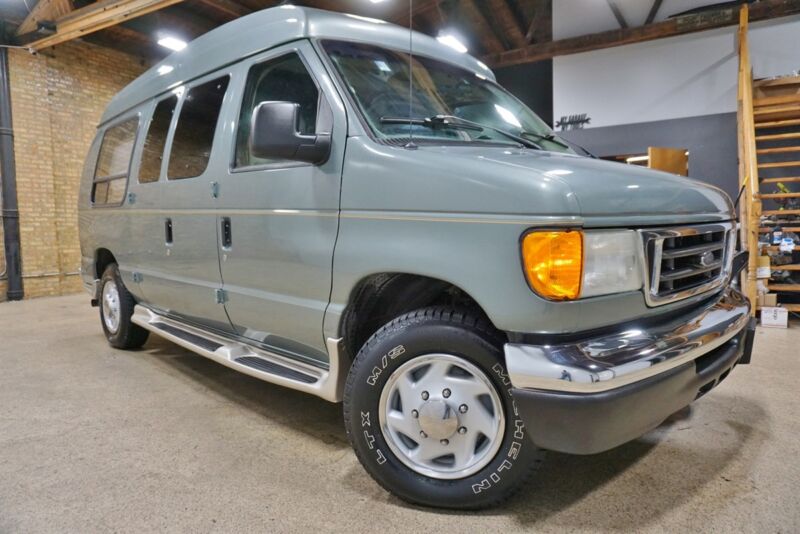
{"x":429,"y":412}
{"x":116,"y":310}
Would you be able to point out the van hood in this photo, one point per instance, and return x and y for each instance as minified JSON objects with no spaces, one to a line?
{"x":510,"y":180}
{"x":604,"y":188}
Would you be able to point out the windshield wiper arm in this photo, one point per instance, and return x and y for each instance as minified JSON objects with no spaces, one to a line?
{"x":443,"y":119}
{"x":547,"y":137}
{"x":452,"y":121}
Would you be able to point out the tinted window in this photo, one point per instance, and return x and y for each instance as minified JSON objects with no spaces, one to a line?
{"x":194,"y":135}
{"x":282,"y":79}
{"x":153,"y":150}
{"x":111,"y":172}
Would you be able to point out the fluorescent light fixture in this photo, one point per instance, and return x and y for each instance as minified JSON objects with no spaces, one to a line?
{"x":452,"y":41}
{"x":173,"y":43}
{"x":165,"y":69}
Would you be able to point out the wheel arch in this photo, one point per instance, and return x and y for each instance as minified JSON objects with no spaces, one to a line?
{"x":378,"y":298}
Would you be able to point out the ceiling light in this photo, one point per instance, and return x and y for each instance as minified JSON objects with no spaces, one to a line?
{"x":452,"y":41}
{"x":172,"y":43}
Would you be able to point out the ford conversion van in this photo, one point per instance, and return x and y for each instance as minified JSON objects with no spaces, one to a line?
{"x":276,"y":197}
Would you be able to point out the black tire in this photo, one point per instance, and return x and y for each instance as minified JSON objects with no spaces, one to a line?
{"x":428,"y":331}
{"x":127,"y":335}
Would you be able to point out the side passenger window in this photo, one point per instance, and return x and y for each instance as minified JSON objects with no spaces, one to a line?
{"x":194,"y":135}
{"x":156,"y":140}
{"x":282,"y":79}
{"x":113,"y":163}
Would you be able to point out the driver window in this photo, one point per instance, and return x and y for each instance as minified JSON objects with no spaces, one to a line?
{"x":282,"y":79}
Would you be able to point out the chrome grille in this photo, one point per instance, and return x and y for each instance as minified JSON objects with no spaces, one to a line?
{"x":686,"y":261}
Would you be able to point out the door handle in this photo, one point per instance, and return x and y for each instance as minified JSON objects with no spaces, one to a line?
{"x":227,"y":237}
{"x":168,"y":231}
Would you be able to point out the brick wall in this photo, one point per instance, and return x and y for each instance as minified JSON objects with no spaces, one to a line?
{"x":57,"y":99}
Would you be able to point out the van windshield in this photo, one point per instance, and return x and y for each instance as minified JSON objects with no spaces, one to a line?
{"x":450,"y":104}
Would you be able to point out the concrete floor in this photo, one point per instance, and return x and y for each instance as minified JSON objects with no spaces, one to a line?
{"x":94,"y":439}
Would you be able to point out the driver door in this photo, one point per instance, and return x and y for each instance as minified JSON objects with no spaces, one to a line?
{"x":279,"y":218}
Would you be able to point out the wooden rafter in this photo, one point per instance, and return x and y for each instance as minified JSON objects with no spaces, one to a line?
{"x":612,"y":5}
{"x":45,"y":10}
{"x":540,"y":29}
{"x":764,"y":10}
{"x":509,"y":25}
{"x":97,"y":16}
{"x":480,"y":26}
{"x":226,"y":8}
{"x":651,"y":16}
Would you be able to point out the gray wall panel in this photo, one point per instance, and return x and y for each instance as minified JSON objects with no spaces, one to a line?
{"x":710,"y":139}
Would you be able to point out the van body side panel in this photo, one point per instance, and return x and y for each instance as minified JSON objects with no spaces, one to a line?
{"x":182,"y":278}
{"x":283,"y":219}
{"x":458,"y":214}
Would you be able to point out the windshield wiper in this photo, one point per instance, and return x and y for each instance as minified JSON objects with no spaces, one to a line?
{"x":547,"y":137}
{"x":451,"y":121}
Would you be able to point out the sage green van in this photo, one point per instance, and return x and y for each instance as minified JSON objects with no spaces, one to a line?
{"x":279,"y":198}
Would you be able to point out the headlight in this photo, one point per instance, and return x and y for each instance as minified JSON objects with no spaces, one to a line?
{"x":569,"y":264}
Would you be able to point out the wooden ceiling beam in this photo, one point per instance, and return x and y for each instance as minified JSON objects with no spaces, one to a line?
{"x":227,"y":9}
{"x":44,"y":11}
{"x":98,"y":16}
{"x":421,"y":7}
{"x":480,"y":26}
{"x":507,"y":22}
{"x":541,"y":26}
{"x":763,"y":10}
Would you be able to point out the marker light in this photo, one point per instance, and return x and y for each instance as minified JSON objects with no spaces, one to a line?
{"x":553,"y":262}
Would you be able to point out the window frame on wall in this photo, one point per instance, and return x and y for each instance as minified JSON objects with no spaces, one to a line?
{"x":120,"y":176}
{"x":146,"y":135}
{"x":322,"y":103}
{"x":185,"y":92}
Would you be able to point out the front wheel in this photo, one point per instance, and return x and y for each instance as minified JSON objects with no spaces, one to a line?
{"x":116,"y":309}
{"x":429,"y":412}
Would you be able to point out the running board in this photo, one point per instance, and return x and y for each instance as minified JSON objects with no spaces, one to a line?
{"x":268,"y":366}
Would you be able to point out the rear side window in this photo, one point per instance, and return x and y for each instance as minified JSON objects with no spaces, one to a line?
{"x":113,"y":163}
{"x":282,"y":79}
{"x":194,"y":135}
{"x":156,"y":140}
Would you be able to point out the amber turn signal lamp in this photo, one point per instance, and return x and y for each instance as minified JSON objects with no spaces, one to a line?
{"x":553,"y":262}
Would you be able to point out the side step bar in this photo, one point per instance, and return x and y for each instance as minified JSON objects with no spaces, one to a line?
{"x":270,"y":367}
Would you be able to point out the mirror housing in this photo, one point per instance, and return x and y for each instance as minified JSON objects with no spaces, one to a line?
{"x":274,"y":135}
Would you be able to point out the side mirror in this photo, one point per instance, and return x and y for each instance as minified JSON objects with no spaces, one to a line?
{"x":274,"y":135}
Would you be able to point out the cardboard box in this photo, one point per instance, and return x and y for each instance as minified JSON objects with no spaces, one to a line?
{"x":763,"y":270}
{"x":770,"y":300}
{"x":774,"y":317}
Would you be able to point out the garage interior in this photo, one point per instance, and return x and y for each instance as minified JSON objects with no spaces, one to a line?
{"x":98,"y":439}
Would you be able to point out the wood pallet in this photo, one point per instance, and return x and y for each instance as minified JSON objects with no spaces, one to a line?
{"x":769,"y":163}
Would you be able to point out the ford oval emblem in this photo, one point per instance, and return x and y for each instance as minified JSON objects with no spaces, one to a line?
{"x":707,"y":259}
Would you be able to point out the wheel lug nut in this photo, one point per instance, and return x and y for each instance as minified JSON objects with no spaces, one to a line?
{"x":446,"y":393}
{"x":445,"y":442}
{"x":463,"y":408}
{"x":422,"y":434}
{"x":462,"y":430}
{"x":414,"y":414}
{"x":425,"y":395}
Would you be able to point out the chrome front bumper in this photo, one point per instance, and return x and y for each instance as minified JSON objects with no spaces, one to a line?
{"x":610,"y":361}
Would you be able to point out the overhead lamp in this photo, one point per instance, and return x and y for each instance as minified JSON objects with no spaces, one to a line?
{"x":452,"y":41}
{"x":173,"y":43}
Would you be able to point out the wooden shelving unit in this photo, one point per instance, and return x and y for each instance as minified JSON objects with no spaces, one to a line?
{"x":769,"y":166}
